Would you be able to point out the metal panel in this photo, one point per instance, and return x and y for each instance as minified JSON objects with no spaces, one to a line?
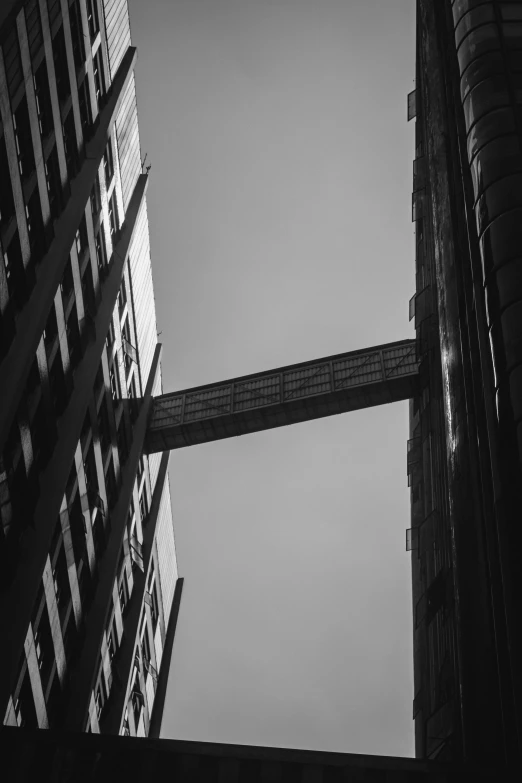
{"x":34,"y":27}
{"x":143,"y":295}
{"x":128,"y":142}
{"x":168,"y":568}
{"x":118,"y":31}
{"x":149,"y":690}
{"x":158,"y":646}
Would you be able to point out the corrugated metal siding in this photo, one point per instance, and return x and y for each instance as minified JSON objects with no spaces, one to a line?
{"x":154,"y":463}
{"x":13,"y":62}
{"x":168,"y":567}
{"x":118,"y":31}
{"x":158,"y":646}
{"x":55,"y":11}
{"x":143,"y":296}
{"x":128,"y":142}
{"x":34,"y":27}
{"x":149,"y":689}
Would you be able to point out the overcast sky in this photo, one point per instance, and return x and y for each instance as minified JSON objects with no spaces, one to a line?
{"x":280,"y":221}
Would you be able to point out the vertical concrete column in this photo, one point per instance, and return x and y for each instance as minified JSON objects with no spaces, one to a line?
{"x":72,"y":72}
{"x":12,"y":159}
{"x":78,"y":293}
{"x":33,"y":671}
{"x":54,"y":620}
{"x":33,"y":117}
{"x":82,"y":491}
{"x":71,"y":563}
{"x":55,"y":105}
{"x":62,"y":333}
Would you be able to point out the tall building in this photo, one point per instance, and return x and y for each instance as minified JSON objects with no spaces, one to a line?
{"x":88,"y":560}
{"x":465,"y":448}
{"x":89,"y":586}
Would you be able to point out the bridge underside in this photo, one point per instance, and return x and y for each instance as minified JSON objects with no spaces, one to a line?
{"x":310,"y":390}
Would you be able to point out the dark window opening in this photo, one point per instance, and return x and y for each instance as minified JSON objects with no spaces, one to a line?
{"x":123,"y":441}
{"x":145,"y":646}
{"x":113,"y":217}
{"x":144,"y":506}
{"x":115,"y":382}
{"x":89,"y":297}
{"x":99,"y":77}
{"x":43,"y":643}
{"x":154,"y":609}
{"x":23,"y":139}
{"x":96,"y":203}
{"x":82,"y":242}
{"x":61,"y":68}
{"x":7,"y":206}
{"x":62,"y":587}
{"x":58,"y":386}
{"x":43,"y":100}
{"x":123,"y":591}
{"x":73,"y":337}
{"x":112,"y":485}
{"x":18,"y":283}
{"x":77,"y":34}
{"x":71,"y":148}
{"x":108,"y":163}
{"x":92,"y":17}
{"x":54,"y":185}
{"x":35,"y":226}
{"x":67,"y":283}
{"x":101,"y":252}
{"x":112,"y":640}
{"x":104,"y":428}
{"x":100,"y":696}
{"x":85,"y":108}
{"x":51,"y":330}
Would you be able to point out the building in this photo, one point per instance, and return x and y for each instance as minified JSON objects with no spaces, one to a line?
{"x":465,"y":448}
{"x":89,"y":587}
{"x":88,"y":558}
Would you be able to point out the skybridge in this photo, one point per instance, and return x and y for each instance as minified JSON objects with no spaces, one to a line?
{"x":287,"y":395}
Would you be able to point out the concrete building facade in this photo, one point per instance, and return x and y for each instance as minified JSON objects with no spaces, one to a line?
{"x":88,"y":569}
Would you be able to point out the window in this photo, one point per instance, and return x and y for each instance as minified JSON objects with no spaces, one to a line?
{"x":100,"y":695}
{"x":7,"y":207}
{"x":108,"y":163}
{"x":60,"y":66}
{"x":96,"y":204}
{"x":43,"y":100}
{"x":101,"y":252}
{"x":23,"y":139}
{"x":125,"y":729}
{"x":113,"y":216}
{"x":82,"y":242}
{"x":122,"y":299}
{"x":123,"y":591}
{"x":67,"y":284}
{"x":92,"y":18}
{"x":109,"y":340}
{"x":99,"y":78}
{"x":115,"y":384}
{"x":144,"y":508}
{"x":54,"y":187}
{"x":77,"y":34}
{"x":85,"y":107}
{"x":112,"y":640}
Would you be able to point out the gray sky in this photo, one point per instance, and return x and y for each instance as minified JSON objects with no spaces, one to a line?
{"x":280,"y":220}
